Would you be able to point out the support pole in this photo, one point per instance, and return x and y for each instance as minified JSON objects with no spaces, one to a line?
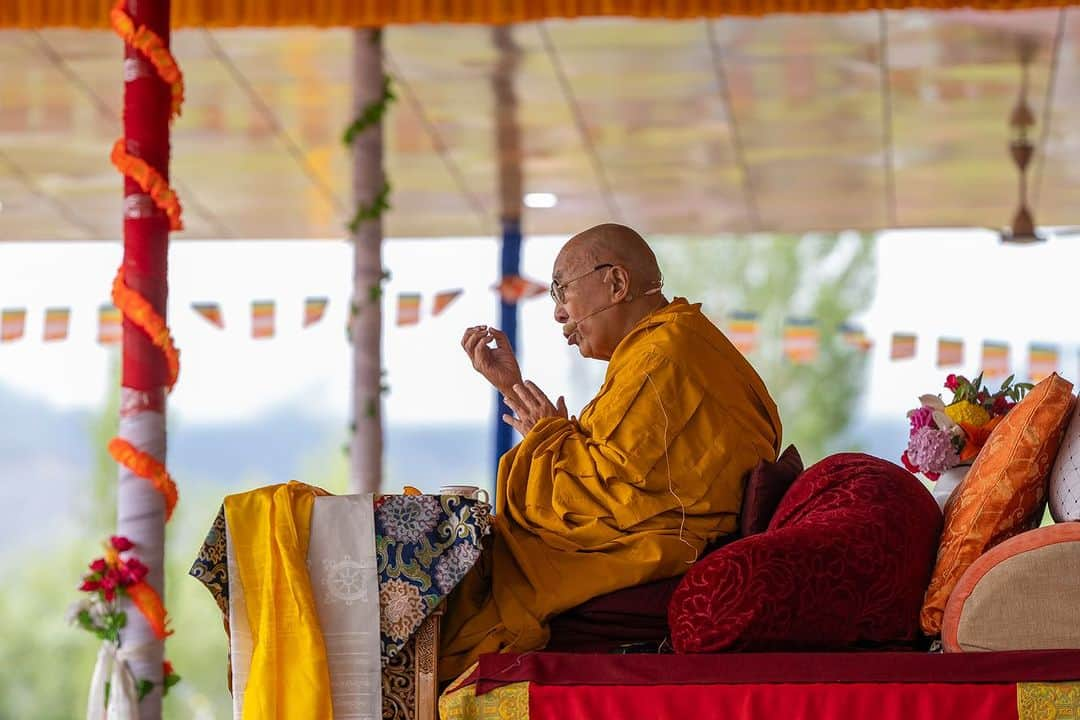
{"x":508,"y":148}
{"x":140,"y":508}
{"x":510,"y":261}
{"x":367,"y":236}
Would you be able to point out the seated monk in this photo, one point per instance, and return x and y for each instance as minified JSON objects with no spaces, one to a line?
{"x":634,"y":489}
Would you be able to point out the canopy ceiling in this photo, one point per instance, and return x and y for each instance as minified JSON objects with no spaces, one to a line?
{"x":819,"y":122}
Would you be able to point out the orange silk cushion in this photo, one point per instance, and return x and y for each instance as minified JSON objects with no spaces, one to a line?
{"x":1003,"y":494}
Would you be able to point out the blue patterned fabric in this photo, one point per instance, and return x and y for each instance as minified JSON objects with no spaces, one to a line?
{"x":424,"y":545}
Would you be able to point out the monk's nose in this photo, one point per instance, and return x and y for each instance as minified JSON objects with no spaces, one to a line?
{"x":561,"y":316}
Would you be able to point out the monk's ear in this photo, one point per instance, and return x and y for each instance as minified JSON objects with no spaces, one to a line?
{"x":620,"y":283}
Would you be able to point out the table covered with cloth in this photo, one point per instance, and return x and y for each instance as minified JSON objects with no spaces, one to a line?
{"x":424,"y":546}
{"x":1021,"y":685}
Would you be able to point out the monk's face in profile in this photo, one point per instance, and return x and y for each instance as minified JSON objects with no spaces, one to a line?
{"x":583,"y":295}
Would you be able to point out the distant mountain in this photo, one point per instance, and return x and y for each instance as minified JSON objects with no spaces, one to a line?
{"x":46,"y":459}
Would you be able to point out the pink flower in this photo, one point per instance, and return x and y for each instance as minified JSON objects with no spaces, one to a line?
{"x":922,"y":417}
{"x":90,"y":585}
{"x":120,"y":543}
{"x":932,"y":450}
{"x":951,"y":383}
{"x":98,"y":565}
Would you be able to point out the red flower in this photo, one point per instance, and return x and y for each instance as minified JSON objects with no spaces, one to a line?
{"x":120,"y":543}
{"x":90,"y":585}
{"x":166,"y":669}
{"x":951,"y":383}
{"x":1001,"y":405}
{"x":132,"y":571}
{"x":108,"y":587}
{"x":98,"y":565}
{"x":983,"y":396}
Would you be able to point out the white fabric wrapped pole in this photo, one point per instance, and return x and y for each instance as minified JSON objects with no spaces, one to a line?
{"x":141,"y":519}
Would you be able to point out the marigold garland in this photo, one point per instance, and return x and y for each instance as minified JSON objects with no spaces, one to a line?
{"x":146,"y":466}
{"x":137,"y":309}
{"x":150,"y":180}
{"x":146,"y":599}
{"x":147,"y":42}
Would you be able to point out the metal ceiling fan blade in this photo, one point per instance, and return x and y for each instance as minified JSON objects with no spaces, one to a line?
{"x":1064,"y":232}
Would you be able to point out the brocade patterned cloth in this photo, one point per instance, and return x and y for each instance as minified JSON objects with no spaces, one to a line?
{"x":424,"y":545}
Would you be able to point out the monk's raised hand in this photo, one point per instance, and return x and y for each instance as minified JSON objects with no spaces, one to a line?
{"x":530,"y":406}
{"x":497,"y":364}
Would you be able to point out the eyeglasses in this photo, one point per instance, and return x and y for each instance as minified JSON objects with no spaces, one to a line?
{"x":558,"y":290}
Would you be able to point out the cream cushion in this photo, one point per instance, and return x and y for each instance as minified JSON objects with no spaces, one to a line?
{"x":1064,"y":490}
{"x":1023,"y":594}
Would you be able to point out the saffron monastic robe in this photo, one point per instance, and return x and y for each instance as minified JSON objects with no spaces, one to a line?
{"x":631,"y":492}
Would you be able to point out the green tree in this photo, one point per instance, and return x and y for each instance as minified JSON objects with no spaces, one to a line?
{"x":826,"y":277}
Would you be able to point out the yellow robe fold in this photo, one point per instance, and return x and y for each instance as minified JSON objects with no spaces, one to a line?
{"x":632,"y":492}
{"x":269,"y":530}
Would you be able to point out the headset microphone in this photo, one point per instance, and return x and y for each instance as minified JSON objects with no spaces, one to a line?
{"x":571,"y":327}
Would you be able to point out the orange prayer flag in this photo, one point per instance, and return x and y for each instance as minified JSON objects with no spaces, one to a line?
{"x":800,"y":340}
{"x":512,"y":288}
{"x":12,"y":324}
{"x":903,"y":346}
{"x":950,"y":352}
{"x":210,"y":311}
{"x":110,"y":325}
{"x":995,"y":358}
{"x":443,"y":300}
{"x":314,"y":308}
{"x":56,"y":324}
{"x":1042,"y":361}
{"x":855,"y":337}
{"x":262,"y":319}
{"x":743,"y":331}
{"x":408,"y":308}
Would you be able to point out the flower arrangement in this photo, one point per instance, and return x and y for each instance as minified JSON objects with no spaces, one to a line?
{"x":111,"y":577}
{"x":946,"y":435}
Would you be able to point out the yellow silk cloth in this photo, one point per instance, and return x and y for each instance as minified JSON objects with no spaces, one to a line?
{"x":372,"y":13}
{"x":632,"y":492}
{"x":269,"y":529}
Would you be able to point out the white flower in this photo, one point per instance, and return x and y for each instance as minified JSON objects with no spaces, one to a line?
{"x":932,"y":401}
{"x":75,"y":609}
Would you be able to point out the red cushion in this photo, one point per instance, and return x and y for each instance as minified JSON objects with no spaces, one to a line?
{"x":768,"y":484}
{"x":844,"y":563}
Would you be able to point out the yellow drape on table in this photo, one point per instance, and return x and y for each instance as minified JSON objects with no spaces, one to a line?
{"x":370,"y":13}
{"x":460,"y":702}
{"x":1048,"y":701}
{"x":632,"y":492}
{"x":269,"y":529}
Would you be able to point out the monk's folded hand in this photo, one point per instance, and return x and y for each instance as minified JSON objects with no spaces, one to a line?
{"x":530,"y":406}
{"x":497,"y":364}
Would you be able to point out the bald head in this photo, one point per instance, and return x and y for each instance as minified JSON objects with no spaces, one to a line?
{"x":618,"y":245}
{"x":605,"y":280}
